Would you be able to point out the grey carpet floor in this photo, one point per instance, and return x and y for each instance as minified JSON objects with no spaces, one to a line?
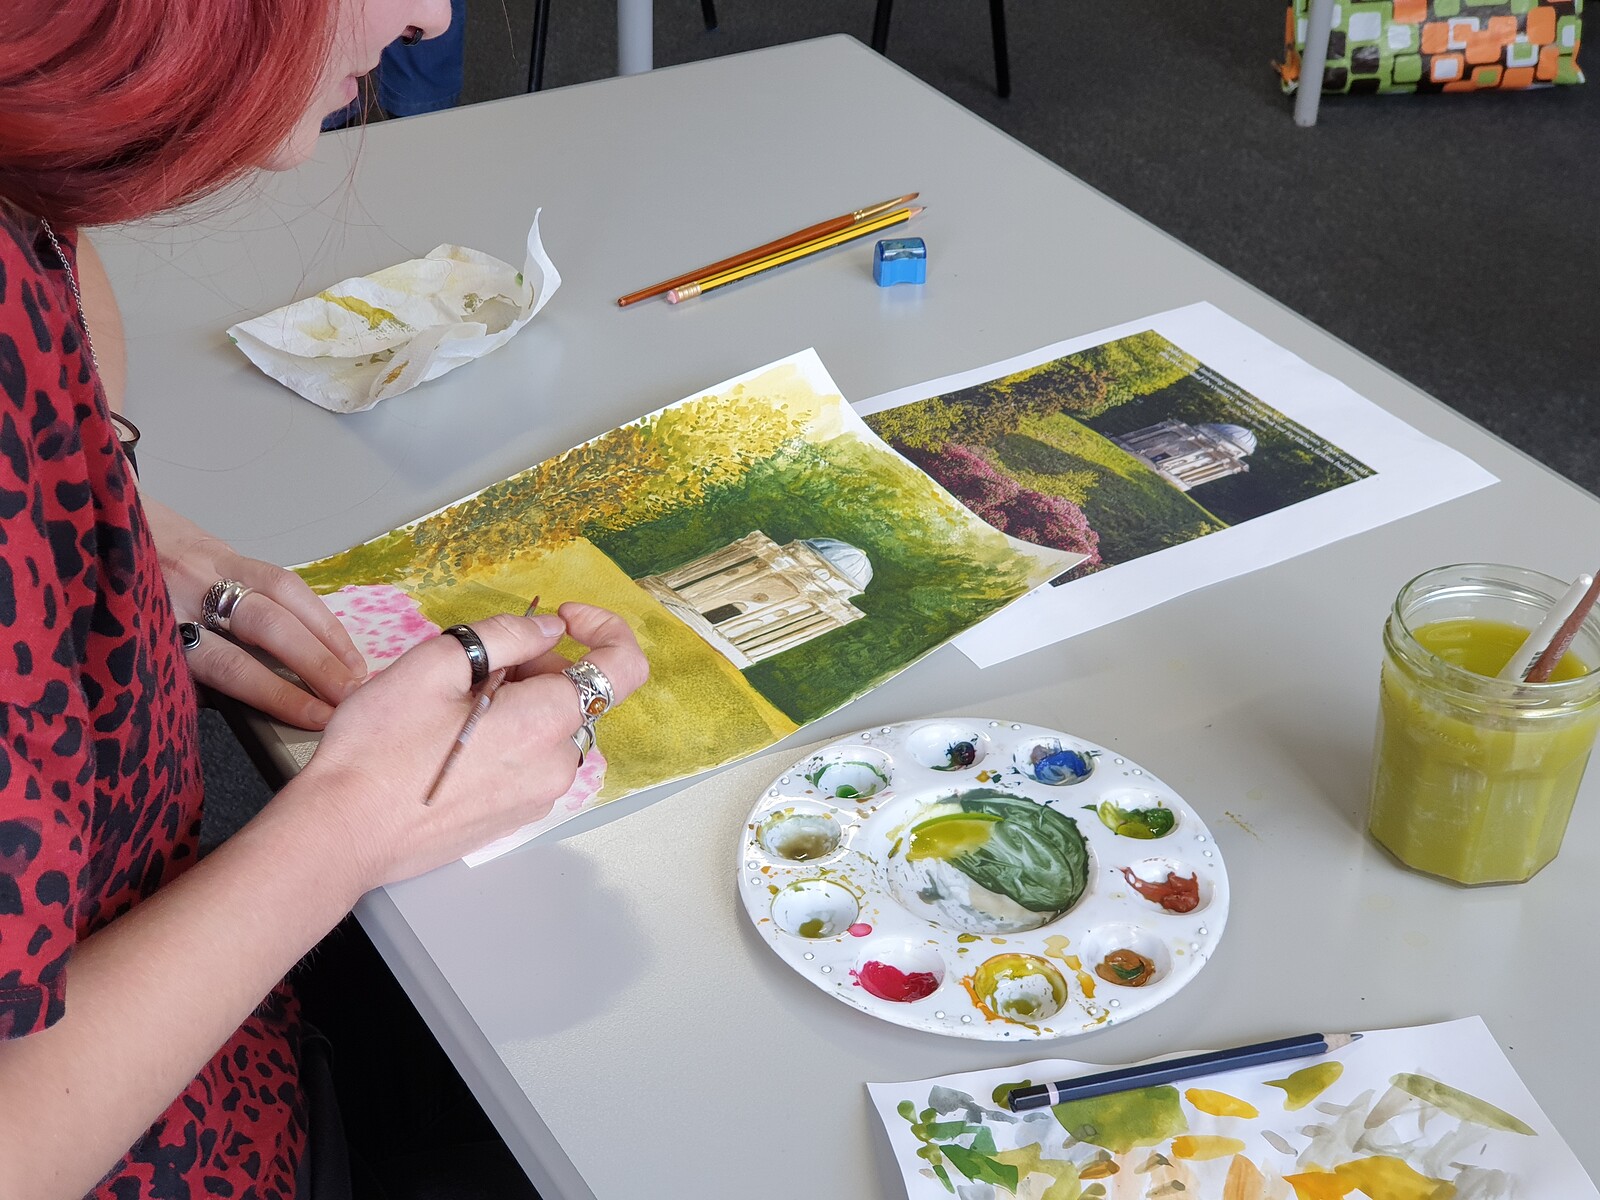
{"x":1447,"y":237}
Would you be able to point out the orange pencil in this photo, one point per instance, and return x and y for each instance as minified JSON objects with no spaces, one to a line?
{"x":800,"y":236}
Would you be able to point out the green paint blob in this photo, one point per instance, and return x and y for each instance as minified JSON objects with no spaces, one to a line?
{"x":1304,"y":1086}
{"x":812,"y":928}
{"x":1460,"y":1104}
{"x":1123,"y":1120}
{"x":1142,"y":823}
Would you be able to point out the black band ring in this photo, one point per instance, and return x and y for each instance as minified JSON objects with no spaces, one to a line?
{"x":477,"y":654}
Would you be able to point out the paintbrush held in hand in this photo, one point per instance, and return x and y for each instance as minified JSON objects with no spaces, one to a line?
{"x":483,"y":696}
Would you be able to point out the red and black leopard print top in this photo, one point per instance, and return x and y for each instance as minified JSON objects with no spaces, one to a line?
{"x":100,"y":783}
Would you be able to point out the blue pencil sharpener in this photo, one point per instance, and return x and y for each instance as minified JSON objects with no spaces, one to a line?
{"x":900,"y":260}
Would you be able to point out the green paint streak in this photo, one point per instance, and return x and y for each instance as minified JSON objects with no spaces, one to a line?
{"x":1123,"y":1120}
{"x":1002,"y":1094}
{"x":1304,"y":1086}
{"x":1460,"y":1104}
{"x":1142,"y":823}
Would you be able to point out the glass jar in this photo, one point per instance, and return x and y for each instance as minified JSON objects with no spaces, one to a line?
{"x":1473,"y":777}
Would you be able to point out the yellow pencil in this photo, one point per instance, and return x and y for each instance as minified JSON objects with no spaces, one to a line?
{"x":779,"y":258}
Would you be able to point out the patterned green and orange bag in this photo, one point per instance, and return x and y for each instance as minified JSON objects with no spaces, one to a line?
{"x":1441,"y":45}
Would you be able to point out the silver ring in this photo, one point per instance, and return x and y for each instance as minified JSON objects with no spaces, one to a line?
{"x":584,"y":740}
{"x":221,"y":600}
{"x":477,"y":652}
{"x":188,"y":634}
{"x":595,"y":696}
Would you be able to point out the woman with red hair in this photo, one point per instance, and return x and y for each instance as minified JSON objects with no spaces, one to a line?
{"x":147,"y":1045}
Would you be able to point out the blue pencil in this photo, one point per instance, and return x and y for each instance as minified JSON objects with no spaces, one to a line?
{"x":1124,"y":1079}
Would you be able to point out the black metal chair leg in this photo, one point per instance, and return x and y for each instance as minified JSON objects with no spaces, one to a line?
{"x":880,"y":27}
{"x":1002,"y":58}
{"x":541,"y":31}
{"x":708,"y":10}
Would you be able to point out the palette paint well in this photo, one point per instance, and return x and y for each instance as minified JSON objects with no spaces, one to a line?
{"x":983,"y":879}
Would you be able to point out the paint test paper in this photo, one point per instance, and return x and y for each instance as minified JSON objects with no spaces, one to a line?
{"x":1431,"y":1111}
{"x":774,"y":558}
{"x":375,"y":336}
{"x":1173,"y":452}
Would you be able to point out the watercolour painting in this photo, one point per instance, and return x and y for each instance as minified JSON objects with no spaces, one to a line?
{"x":1171,"y":453}
{"x":1434,"y":1112}
{"x":773,"y":556}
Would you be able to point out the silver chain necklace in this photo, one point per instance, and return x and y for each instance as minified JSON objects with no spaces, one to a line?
{"x":72,"y":283}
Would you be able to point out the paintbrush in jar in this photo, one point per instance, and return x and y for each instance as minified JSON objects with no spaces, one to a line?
{"x":483,"y":696}
{"x":1546,"y":663}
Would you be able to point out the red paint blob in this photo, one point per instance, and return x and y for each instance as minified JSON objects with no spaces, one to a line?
{"x":891,"y":983}
{"x":1174,"y":893}
{"x":860,"y":929}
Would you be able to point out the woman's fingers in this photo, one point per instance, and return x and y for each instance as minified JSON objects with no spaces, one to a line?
{"x":233,"y":671}
{"x":260,"y":620}
{"x":612,"y":646}
{"x":297,"y":598}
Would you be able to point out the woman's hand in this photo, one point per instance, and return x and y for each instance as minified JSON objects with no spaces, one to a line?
{"x":281,"y":615}
{"x":386,"y":744}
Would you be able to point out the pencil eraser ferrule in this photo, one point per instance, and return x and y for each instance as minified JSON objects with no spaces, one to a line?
{"x":900,"y":260}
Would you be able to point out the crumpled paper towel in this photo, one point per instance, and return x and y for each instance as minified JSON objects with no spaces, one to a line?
{"x":376,"y":336}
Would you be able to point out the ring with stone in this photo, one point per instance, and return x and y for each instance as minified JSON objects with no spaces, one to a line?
{"x":584,"y":740}
{"x":595,"y":696}
{"x":189,"y":634}
{"x":477,"y":652}
{"x":220,"y":602}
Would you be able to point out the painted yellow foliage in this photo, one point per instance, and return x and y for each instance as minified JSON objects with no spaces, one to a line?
{"x":696,"y":710}
{"x":1220,"y":1104}
{"x":663,"y":462}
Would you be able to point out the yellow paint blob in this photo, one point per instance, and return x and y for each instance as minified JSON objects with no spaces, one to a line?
{"x":1220,"y":1104}
{"x":370,"y":313}
{"x":1055,"y":946}
{"x":1204,"y":1146}
{"x":951,"y":835}
{"x":1304,"y":1086}
{"x":1063,"y":1175}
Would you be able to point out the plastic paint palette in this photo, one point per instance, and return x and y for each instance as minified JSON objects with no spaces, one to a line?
{"x":983,"y":879}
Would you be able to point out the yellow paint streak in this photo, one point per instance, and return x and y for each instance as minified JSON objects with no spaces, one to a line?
{"x":1055,"y":946}
{"x":696,"y":710}
{"x":1384,"y":1178}
{"x":1204,"y":1146}
{"x":1240,"y":822}
{"x":370,"y":313}
{"x":1220,"y":1104}
{"x":1244,"y":1181}
{"x":1304,"y":1086}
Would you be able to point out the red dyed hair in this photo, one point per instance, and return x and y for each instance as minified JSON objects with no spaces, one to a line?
{"x":112,"y":110}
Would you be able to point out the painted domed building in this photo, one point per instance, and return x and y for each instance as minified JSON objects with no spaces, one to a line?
{"x":1188,"y":455}
{"x":754,"y":598}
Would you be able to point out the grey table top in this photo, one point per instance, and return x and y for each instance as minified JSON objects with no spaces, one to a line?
{"x":601,"y":990}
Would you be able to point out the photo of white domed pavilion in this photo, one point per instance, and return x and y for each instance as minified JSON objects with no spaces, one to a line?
{"x":1115,"y":452}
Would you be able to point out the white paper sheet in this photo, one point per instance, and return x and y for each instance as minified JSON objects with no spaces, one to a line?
{"x":1362,"y":1126}
{"x":1411,"y":472}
